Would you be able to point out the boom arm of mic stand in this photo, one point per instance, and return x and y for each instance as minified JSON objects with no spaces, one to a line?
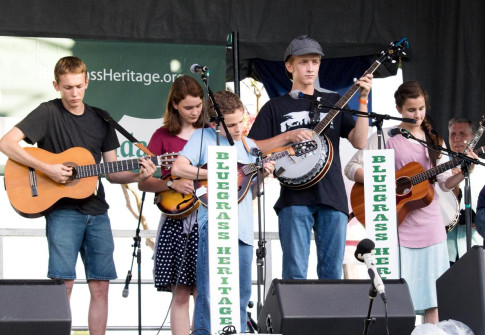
{"x":438,"y":148}
{"x":219,"y":118}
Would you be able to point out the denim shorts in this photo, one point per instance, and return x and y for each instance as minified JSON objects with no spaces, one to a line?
{"x":70,"y":232}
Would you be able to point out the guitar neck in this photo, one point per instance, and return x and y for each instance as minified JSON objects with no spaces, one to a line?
{"x":84,"y":171}
{"x":322,"y":125}
{"x":478,"y":134}
{"x":251,"y":168}
{"x":425,"y":175}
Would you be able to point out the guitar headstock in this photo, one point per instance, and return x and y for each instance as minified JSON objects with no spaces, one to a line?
{"x":305,"y":147}
{"x":482,"y":121}
{"x":395,"y":51}
{"x":480,"y":151}
{"x":166,"y":160}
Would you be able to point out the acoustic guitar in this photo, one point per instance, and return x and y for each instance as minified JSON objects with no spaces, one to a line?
{"x":33,"y":194}
{"x":413,"y":189}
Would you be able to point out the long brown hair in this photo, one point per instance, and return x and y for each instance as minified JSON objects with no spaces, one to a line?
{"x":412,"y":90}
{"x":181,"y":87}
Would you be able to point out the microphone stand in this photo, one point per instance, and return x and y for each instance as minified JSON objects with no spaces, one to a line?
{"x":219,"y":118}
{"x":261,"y":251}
{"x":136,"y":252}
{"x":368,"y":320}
{"x":465,"y":167}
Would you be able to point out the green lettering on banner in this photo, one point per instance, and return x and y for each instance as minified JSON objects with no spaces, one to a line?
{"x":223,"y":250}
{"x":224,"y":271}
{"x":381,"y":226}
{"x":225,"y":310}
{"x":380,"y":197}
{"x":384,"y":271}
{"x":222,"y":175}
{"x":223,"y":216}
{"x":222,"y":155}
{"x":222,"y":166}
{"x":378,"y":159}
{"x":222,"y":195}
{"x":381,"y":251}
{"x":224,"y":260}
{"x":381,"y":217}
{"x":222,"y":185}
{"x":377,"y":168}
{"x":224,"y":280}
{"x":380,"y":188}
{"x":382,"y":260}
{"x":380,"y":208}
{"x":225,"y":321}
{"x":380,"y":178}
{"x":224,"y":290}
{"x":224,"y":301}
{"x":222,"y":205}
{"x":223,"y":235}
{"x":223,"y":225}
{"x":381,"y":237}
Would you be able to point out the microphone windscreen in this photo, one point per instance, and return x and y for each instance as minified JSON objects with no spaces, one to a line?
{"x":295,"y":94}
{"x":364,"y":247}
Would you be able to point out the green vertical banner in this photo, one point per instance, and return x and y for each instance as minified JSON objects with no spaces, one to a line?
{"x":131,"y":80}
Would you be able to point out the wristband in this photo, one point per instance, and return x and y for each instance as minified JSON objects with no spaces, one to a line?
{"x":363,"y":102}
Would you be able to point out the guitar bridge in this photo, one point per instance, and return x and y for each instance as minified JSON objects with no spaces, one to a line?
{"x":33,"y":182}
{"x":279,"y":171}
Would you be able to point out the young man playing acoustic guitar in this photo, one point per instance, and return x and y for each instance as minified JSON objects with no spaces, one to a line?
{"x":75,"y":226}
{"x":322,"y":207}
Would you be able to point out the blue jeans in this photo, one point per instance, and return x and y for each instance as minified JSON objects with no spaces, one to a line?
{"x":202,"y":323}
{"x":70,"y":232}
{"x":480,"y":222}
{"x":295,"y":228}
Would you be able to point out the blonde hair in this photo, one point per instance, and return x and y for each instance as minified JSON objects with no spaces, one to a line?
{"x":69,"y":64}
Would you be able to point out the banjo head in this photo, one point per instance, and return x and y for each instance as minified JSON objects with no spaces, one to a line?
{"x":298,"y":171}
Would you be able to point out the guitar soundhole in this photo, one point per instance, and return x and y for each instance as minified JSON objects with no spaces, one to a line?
{"x":73,"y":180}
{"x":403,"y":186}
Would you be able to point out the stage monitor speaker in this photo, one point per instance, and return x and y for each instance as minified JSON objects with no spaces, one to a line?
{"x":36,"y":307}
{"x":336,"y":307}
{"x":461,"y":291}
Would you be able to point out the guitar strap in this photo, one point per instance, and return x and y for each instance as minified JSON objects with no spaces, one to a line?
{"x":246,"y":145}
{"x":314,"y":113}
{"x":107,"y":117}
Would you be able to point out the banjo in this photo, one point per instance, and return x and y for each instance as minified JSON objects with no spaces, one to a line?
{"x":307,"y":170}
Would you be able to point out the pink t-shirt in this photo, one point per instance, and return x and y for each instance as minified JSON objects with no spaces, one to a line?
{"x":424,"y":226}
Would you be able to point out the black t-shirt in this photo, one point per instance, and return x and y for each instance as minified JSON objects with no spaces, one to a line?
{"x":55,"y":129}
{"x":481,"y":199}
{"x":285,"y":113}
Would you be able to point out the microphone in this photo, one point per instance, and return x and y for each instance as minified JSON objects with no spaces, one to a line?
{"x":196,"y":68}
{"x":393,"y":132}
{"x":365,"y":253}
{"x":297,"y":94}
{"x":255,"y":152}
{"x":127,"y":283}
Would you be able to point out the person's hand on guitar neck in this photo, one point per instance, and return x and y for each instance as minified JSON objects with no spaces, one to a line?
{"x":459,"y":177}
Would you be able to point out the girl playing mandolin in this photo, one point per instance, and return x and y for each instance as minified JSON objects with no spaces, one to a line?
{"x":176,"y":245}
{"x":422,"y":237}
